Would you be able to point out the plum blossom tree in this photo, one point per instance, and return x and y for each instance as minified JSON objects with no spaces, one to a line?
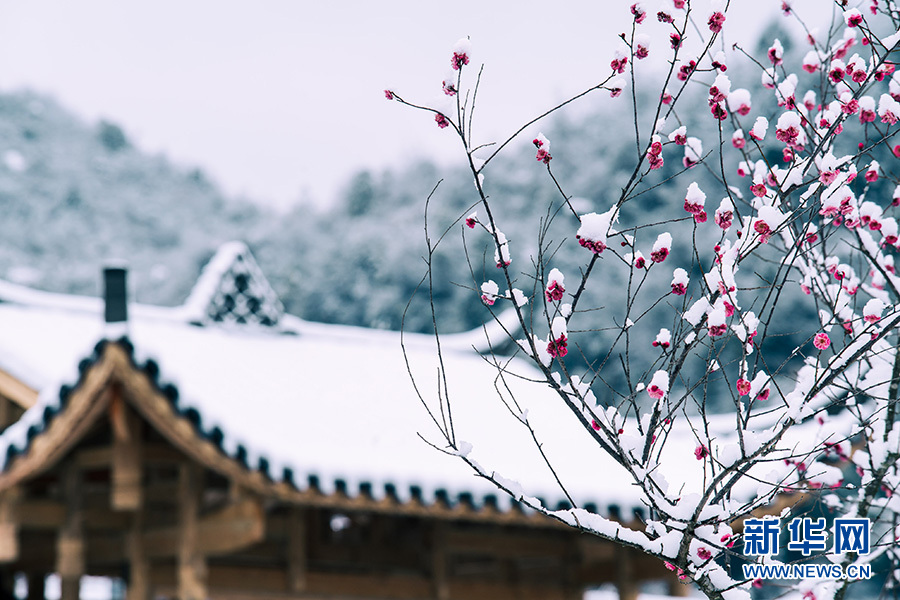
{"x":805,"y":209}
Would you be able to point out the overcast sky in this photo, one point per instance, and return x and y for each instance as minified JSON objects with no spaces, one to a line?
{"x":281,"y":100}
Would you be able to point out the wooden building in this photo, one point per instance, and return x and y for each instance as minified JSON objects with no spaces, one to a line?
{"x":224,"y":449}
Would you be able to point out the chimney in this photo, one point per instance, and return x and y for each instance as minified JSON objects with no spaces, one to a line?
{"x":114,"y":294}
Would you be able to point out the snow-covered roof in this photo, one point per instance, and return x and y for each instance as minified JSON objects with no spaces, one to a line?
{"x":327,"y":402}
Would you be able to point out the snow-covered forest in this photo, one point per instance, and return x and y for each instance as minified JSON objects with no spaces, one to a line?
{"x":75,"y":194}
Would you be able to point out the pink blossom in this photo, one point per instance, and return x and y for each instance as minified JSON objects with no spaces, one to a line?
{"x":758,"y":189}
{"x":441,"y":120}
{"x":555,"y":287}
{"x":715,"y":22}
{"x":821,"y":341}
{"x":703,"y":553}
{"x":694,"y":200}
{"x":666,"y":97}
{"x":853,"y":18}
{"x":450,"y":87}
{"x":641,"y":50}
{"x":757,"y":583}
{"x":659,"y":385}
{"x":743,"y":387}
{"x":836,"y":73}
{"x":679,"y":282}
{"x":684,"y":71}
{"x":618,"y":64}
{"x":724,"y":218}
{"x":458,"y":60}
{"x":701,"y":452}
{"x":775,"y":52}
{"x":663,"y":339}
{"x":678,"y":3}
{"x":675,"y":40}
{"x":664,"y":17}
{"x":851,"y":107}
{"x":554,"y":291}
{"x":717,"y":330}
{"x":615,"y":87}
{"x":558,"y":347}
{"x":727,"y":540}
{"x":718,"y":111}
{"x":543,"y":146}
{"x":470,"y":222}
{"x":639,"y":13}
{"x":389,"y":94}
{"x":595,"y":246}
{"x":763,"y":229}
{"x":661,"y":247}
{"x":489,"y":291}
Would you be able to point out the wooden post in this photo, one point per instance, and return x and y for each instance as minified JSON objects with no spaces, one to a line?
{"x":5,"y":412}
{"x":70,"y":543}
{"x":191,"y":563}
{"x":9,"y":526}
{"x":296,"y":554}
{"x":439,"y":562}
{"x":573,"y":588}
{"x":626,"y":582}
{"x":36,"y":586}
{"x":7,"y":584}
{"x":138,"y":563}
{"x":126,"y":456}
{"x":678,"y":589}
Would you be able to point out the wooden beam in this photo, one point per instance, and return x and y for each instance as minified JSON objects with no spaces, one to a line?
{"x":138,"y":563}
{"x":192,"y":570}
{"x":626,"y":578}
{"x":224,"y":531}
{"x":506,"y":544}
{"x":439,"y":573}
{"x":99,"y":457}
{"x":70,"y":563}
{"x":21,"y":393}
{"x":9,"y":524}
{"x":296,"y":550}
{"x":126,"y":456}
{"x":248,"y":583}
{"x":51,"y":514}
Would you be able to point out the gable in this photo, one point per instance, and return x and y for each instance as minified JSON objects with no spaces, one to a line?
{"x":232,"y":289}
